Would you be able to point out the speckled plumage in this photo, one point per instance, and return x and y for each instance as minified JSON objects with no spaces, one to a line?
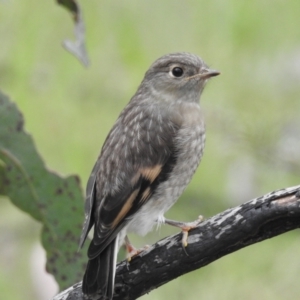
{"x":148,"y":158}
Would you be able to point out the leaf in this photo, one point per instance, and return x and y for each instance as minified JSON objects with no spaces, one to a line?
{"x":54,"y":201}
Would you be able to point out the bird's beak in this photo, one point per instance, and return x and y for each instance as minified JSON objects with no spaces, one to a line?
{"x":209,"y":73}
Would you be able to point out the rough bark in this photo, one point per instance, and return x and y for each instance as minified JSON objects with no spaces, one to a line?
{"x":231,"y":230}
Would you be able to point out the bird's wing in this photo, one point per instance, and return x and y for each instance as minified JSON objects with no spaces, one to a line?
{"x":135,"y":158}
{"x":89,"y":202}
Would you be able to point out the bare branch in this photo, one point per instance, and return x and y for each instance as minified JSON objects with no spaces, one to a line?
{"x":231,"y":230}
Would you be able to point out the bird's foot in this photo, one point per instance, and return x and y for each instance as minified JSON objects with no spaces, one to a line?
{"x":185,"y":227}
{"x":131,"y":250}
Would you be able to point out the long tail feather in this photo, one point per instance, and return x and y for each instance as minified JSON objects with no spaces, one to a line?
{"x":99,"y":276}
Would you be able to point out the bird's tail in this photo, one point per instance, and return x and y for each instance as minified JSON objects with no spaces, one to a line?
{"x":99,"y":276}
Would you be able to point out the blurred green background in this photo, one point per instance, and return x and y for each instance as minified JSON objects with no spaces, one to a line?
{"x":251,"y":110}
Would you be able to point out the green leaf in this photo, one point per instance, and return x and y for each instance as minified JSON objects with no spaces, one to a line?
{"x":54,"y":201}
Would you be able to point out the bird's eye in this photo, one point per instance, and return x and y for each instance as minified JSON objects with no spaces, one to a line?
{"x":177,"y":72}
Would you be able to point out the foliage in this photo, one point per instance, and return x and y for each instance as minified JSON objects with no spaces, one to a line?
{"x":54,"y":201}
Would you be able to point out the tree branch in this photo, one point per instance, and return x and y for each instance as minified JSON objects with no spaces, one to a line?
{"x":231,"y":230}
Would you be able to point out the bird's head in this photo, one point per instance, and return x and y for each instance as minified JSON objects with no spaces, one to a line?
{"x":178,"y":75}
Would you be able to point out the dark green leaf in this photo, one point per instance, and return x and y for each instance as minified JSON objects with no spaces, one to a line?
{"x":54,"y":201}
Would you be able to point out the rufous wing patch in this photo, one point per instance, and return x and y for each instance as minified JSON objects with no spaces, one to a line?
{"x":151,"y":173}
{"x":145,"y":194}
{"x":125,"y":209}
{"x":135,"y":178}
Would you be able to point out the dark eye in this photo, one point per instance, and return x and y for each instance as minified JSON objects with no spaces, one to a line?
{"x":177,"y":72}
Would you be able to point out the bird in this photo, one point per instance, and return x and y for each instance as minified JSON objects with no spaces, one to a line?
{"x":147,"y":160}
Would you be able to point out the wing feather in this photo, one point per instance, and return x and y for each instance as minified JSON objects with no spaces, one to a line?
{"x":89,"y":203}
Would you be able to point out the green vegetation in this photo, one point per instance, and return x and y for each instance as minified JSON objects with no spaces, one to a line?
{"x":251,"y":111}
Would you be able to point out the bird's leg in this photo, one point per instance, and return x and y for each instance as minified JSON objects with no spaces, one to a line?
{"x":185,"y":227}
{"x":131,"y":250}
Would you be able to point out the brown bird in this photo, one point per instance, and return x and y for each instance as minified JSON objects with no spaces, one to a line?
{"x":147,"y":160}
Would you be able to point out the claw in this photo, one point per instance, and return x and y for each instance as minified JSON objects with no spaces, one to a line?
{"x":131,"y":250}
{"x":185,"y":227}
